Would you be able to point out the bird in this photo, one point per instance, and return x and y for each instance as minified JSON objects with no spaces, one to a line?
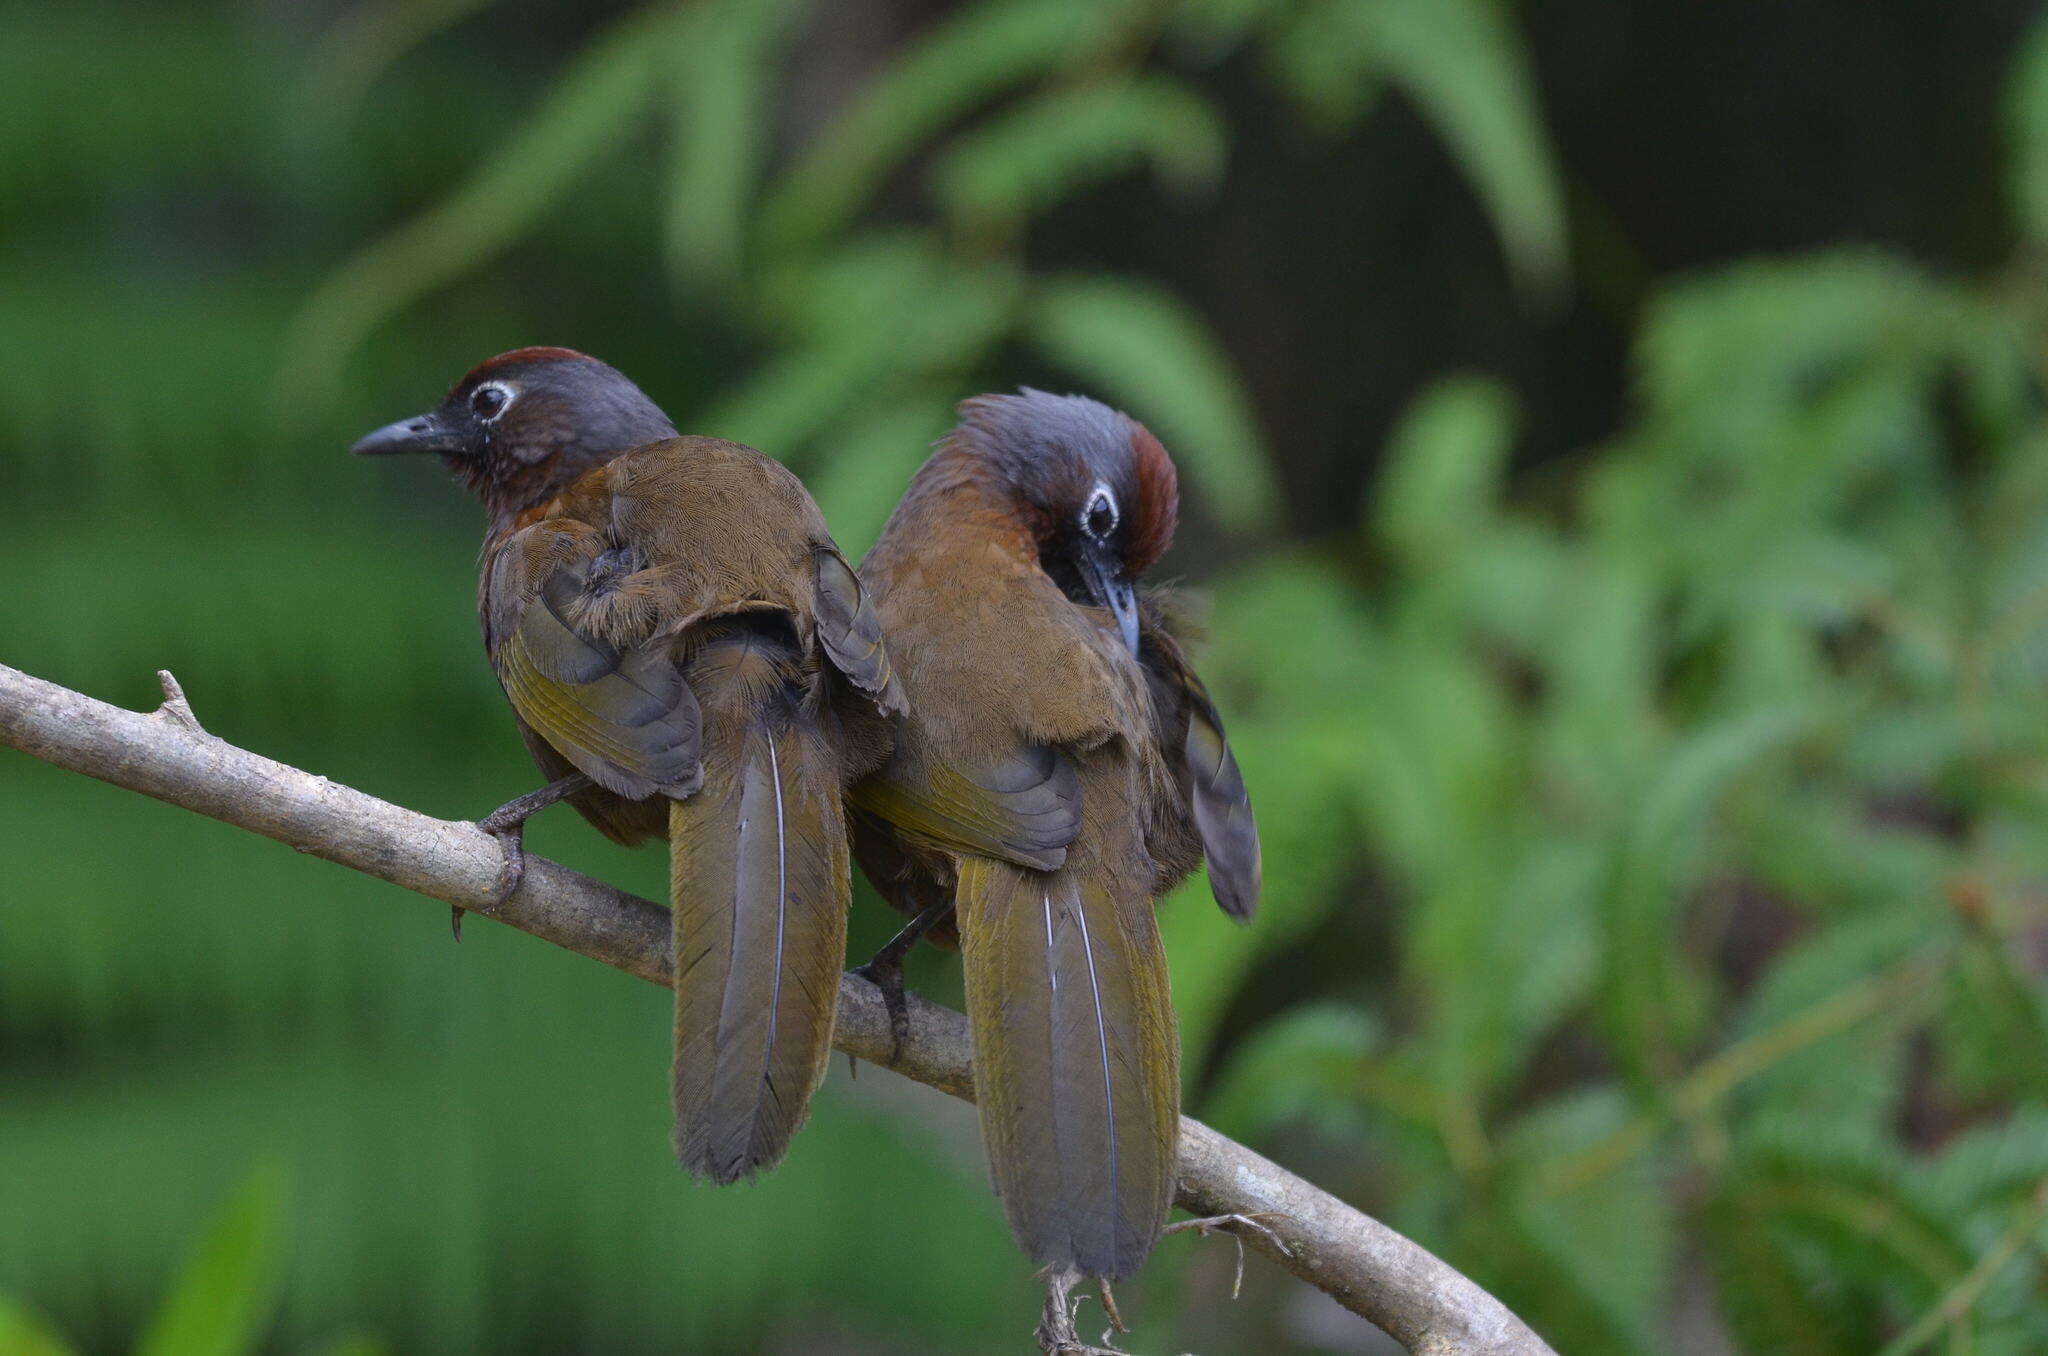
{"x":687,"y":656}
{"x":1061,"y":766}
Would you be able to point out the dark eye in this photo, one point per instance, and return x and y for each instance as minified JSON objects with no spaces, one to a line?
{"x":490,"y":401}
{"x":1098,"y":519}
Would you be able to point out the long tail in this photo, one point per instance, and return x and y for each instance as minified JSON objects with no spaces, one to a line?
{"x":759,"y":892}
{"x":1076,"y":1060}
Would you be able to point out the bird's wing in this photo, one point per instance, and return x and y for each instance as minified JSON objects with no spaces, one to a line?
{"x":626,"y":822}
{"x":620,"y":713}
{"x":1023,"y":808}
{"x":851,"y":634}
{"x":1190,"y":733}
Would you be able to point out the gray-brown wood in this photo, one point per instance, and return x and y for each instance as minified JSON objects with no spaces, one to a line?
{"x":1370,"y":1269}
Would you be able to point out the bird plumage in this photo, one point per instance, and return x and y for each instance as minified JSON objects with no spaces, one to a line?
{"x":703,"y":674}
{"x":1060,"y":768}
{"x":671,"y":618}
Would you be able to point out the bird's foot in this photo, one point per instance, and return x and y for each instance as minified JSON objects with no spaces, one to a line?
{"x":885,"y":972}
{"x":512,"y":842}
{"x":512,"y":838}
{"x":1057,"y":1332}
{"x":1232,"y":1225}
{"x":507,"y":824}
{"x":1108,"y":1295}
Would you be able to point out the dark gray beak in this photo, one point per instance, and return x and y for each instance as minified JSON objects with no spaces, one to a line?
{"x":421,"y":433}
{"x":1104,"y":576}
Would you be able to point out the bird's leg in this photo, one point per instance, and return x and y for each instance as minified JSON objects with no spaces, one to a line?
{"x":507,"y":824}
{"x":1116,"y":1319}
{"x":1057,"y":1332}
{"x":885,"y":972}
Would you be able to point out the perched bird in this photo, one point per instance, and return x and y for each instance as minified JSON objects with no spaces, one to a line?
{"x":688,"y":656}
{"x":1061,"y":767}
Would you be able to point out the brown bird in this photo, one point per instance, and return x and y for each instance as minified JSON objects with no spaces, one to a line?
{"x":688,"y":656}
{"x":1061,"y":768}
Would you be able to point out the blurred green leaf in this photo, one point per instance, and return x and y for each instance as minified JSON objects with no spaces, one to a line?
{"x":2027,"y":127}
{"x":228,"y":1286}
{"x":1443,"y":473}
{"x":721,"y":83}
{"x":1312,"y":1062}
{"x":1143,"y":348}
{"x":1851,"y":1077}
{"x":1772,"y":1303}
{"x":365,"y":41}
{"x":974,"y":54}
{"x":1990,"y":1168}
{"x":595,"y":103}
{"x":1461,"y":64}
{"x":1995,"y":1023}
{"x":351,"y":1344}
{"x":1846,"y":1189}
{"x":23,"y":1332}
{"x":883,"y":314}
{"x":1649,"y":999}
{"x":1321,"y":59}
{"x":1000,"y":172}
{"x":1605,"y":1253}
{"x":1209,"y":28}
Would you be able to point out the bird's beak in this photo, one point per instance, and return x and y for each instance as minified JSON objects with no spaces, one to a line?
{"x":1109,"y":587}
{"x":421,"y":433}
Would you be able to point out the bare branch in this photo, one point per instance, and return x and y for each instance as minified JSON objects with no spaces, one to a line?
{"x":1368,"y":1268}
{"x":175,"y":707}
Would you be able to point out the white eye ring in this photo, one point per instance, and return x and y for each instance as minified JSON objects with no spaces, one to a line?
{"x":1102,"y":499}
{"x":506,"y":395}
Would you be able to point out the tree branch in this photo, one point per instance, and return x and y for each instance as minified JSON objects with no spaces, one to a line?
{"x":1368,"y":1268}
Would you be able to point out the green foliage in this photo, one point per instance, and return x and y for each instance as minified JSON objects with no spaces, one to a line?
{"x":593,"y":106}
{"x":220,"y":1301}
{"x":1654,"y":849}
{"x":1459,"y":61}
{"x":974,"y":55}
{"x":2027,"y":120}
{"x":1741,"y":669}
{"x":778,"y":244}
{"x":1442,"y":482}
{"x":24,"y":1333}
{"x":719,"y":100}
{"x":991,"y":179}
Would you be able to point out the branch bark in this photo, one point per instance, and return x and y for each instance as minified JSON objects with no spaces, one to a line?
{"x":1424,"y":1303}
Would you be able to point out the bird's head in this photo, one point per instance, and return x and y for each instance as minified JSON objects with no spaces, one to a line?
{"x":521,"y":427}
{"x":1096,"y":490}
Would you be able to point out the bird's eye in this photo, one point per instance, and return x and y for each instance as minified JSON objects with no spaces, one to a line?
{"x":489,"y":401}
{"x":1099,"y":517}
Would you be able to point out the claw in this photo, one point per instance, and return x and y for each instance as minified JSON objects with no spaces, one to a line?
{"x":507,"y":824}
{"x":513,"y":872}
{"x":1056,"y":1331}
{"x":885,"y":972}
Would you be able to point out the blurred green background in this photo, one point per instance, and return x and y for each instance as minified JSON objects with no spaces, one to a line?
{"x":1613,"y":442}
